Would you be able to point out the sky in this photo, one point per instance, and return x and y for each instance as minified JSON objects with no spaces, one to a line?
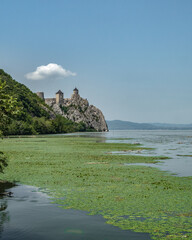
{"x":130,"y":58}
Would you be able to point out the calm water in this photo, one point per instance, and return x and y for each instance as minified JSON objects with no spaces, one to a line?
{"x":170,"y":143}
{"x":29,"y":215}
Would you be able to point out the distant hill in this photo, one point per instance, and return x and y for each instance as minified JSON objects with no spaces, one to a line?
{"x":126,"y":125}
{"x":173,"y":126}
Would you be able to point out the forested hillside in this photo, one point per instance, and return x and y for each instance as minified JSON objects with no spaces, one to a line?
{"x":33,"y":115}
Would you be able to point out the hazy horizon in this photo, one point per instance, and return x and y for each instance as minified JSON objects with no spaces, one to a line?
{"x":150,"y":122}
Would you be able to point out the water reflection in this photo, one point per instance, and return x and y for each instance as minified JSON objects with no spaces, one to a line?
{"x":4,"y":215}
{"x":30,"y":215}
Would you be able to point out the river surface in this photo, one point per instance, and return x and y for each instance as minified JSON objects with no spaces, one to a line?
{"x":175,"y":144}
{"x":30,"y":215}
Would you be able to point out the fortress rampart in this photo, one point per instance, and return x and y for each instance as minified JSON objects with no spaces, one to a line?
{"x":59,"y":97}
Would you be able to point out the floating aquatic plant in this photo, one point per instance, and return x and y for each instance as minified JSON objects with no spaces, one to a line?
{"x":80,"y":175}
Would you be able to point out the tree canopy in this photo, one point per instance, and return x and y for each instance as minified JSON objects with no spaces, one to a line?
{"x":8,"y":107}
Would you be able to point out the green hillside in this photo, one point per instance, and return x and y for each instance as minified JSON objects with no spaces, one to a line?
{"x":34,"y":116}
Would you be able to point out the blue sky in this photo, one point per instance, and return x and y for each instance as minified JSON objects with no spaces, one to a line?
{"x":130,"y":58}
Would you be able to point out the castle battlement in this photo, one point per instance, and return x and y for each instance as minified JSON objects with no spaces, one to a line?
{"x":59,"y":97}
{"x":50,"y":101}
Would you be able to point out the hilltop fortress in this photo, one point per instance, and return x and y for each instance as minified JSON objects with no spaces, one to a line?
{"x":76,"y":109}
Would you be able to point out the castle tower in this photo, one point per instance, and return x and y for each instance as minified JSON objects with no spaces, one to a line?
{"x":75,"y":91}
{"x":59,"y":97}
{"x":41,"y":95}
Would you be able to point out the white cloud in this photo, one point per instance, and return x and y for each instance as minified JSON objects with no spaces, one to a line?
{"x":51,"y":70}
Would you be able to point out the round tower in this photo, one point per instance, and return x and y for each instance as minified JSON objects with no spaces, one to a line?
{"x":41,"y":95}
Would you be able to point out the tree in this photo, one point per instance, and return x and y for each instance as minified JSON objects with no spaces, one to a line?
{"x":8,"y":108}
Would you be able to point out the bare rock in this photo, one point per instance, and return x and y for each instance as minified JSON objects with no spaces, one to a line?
{"x":78,"y":110}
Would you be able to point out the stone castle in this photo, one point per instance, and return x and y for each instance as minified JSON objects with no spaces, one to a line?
{"x":59,"y":97}
{"x":76,"y":109}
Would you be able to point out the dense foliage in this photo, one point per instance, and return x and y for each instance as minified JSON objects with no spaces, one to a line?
{"x":8,"y":108}
{"x":33,"y":117}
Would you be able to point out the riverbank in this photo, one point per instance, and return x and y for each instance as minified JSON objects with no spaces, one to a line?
{"x":4,"y":185}
{"x":79,"y":174}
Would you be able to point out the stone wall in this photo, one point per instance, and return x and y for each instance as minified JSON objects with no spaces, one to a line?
{"x":50,"y":101}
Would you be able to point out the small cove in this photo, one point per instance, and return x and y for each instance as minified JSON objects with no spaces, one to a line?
{"x":30,"y":215}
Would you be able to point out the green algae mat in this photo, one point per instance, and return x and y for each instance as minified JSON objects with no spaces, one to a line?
{"x":80,"y":173}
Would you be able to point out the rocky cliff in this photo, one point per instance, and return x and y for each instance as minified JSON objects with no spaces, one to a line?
{"x":78,"y":110}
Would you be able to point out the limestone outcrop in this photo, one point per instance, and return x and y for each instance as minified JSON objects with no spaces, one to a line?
{"x":78,"y":110}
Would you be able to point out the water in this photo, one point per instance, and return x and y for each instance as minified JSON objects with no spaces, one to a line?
{"x":174,"y":144}
{"x":29,"y":215}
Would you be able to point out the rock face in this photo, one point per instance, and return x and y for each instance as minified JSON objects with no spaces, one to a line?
{"x":78,"y":110}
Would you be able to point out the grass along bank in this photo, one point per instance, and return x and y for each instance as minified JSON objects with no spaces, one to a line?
{"x":80,"y":175}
